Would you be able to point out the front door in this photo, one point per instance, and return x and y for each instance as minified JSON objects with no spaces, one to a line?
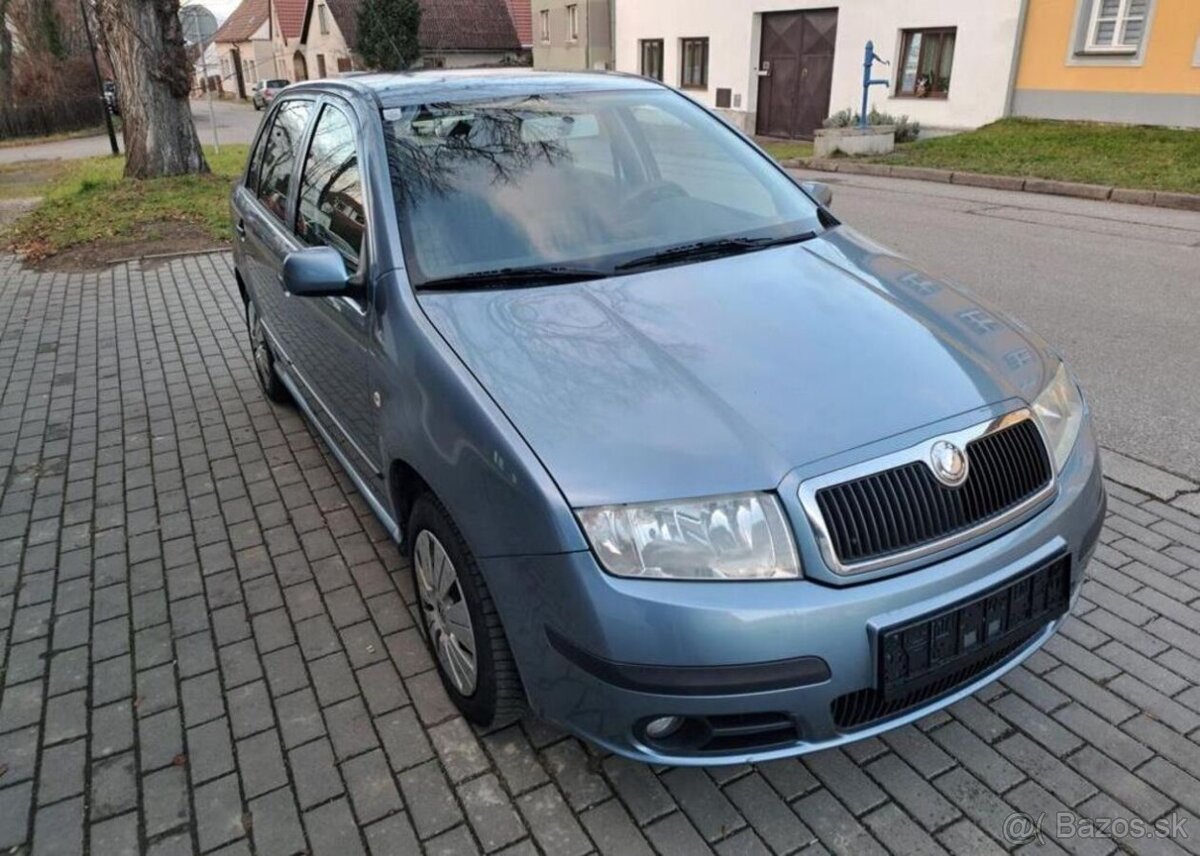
{"x":332,"y":353}
{"x":796,"y":72}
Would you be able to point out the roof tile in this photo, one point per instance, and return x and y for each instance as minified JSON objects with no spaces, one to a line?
{"x":243,"y":22}
{"x":446,"y":25}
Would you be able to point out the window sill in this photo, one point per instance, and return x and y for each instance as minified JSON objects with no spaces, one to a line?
{"x":1106,"y":52}
{"x":694,"y":88}
{"x":933,"y":96}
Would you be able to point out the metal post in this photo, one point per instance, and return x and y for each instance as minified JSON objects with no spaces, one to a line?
{"x":212,"y":115}
{"x":87,"y":29}
{"x":869,"y":59}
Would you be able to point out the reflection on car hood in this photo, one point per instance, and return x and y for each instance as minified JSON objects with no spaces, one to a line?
{"x":723,"y":376}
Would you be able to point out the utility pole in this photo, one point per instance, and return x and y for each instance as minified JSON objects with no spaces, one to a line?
{"x":199,"y":27}
{"x":212,"y":114}
{"x":87,"y":29}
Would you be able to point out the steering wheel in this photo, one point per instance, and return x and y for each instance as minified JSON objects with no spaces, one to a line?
{"x":659,"y":191}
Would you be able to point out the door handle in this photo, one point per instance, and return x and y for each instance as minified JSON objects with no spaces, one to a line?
{"x":240,"y":228}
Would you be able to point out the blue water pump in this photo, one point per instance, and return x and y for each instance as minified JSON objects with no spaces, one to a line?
{"x":869,"y":59}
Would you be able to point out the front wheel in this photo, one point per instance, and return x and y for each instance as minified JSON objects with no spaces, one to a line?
{"x":264,"y":358}
{"x":460,"y":621}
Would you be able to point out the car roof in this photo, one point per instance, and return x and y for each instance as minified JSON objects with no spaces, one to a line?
{"x":398,"y":89}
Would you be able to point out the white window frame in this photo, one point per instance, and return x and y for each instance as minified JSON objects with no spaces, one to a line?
{"x":1122,"y":17}
{"x":573,"y":22}
{"x":544,"y":25}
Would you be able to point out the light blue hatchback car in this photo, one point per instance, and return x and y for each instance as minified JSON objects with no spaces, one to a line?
{"x":681,"y":462}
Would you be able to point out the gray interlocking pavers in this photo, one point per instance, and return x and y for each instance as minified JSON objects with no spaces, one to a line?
{"x":210,"y":646}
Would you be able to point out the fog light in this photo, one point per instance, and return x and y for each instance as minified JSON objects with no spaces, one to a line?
{"x":663,"y":726}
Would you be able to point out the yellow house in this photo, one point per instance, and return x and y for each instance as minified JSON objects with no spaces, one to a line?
{"x":1135,"y":61}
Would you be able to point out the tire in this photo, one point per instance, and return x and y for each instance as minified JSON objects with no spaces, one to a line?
{"x":496,"y":697}
{"x":263,"y":358}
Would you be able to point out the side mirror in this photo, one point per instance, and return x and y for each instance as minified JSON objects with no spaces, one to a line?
{"x":316,"y":272}
{"x":819,"y":191}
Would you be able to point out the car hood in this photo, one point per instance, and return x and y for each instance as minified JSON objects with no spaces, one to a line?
{"x":725,"y":375}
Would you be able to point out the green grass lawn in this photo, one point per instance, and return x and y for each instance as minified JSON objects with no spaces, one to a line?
{"x":787,"y":149}
{"x":28,"y":179}
{"x":1118,"y":155}
{"x":87,"y":200}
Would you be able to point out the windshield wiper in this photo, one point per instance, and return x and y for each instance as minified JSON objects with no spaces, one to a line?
{"x":715,"y":247}
{"x":532,"y":275}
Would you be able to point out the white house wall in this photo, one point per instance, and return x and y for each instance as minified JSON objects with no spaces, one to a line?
{"x":984,"y":52}
{"x":331,"y":45}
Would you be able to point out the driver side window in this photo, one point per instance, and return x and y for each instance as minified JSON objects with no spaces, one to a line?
{"x":330,"y":211}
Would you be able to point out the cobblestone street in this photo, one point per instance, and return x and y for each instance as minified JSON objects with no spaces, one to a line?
{"x":207,"y":646}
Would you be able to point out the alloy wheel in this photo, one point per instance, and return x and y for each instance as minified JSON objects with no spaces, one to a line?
{"x":444,"y":607}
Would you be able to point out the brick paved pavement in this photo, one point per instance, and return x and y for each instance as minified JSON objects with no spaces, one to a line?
{"x":206,"y":645}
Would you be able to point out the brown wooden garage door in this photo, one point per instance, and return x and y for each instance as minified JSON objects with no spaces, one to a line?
{"x":797,"y":54}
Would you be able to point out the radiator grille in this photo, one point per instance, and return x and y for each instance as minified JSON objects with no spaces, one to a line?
{"x":907,"y":507}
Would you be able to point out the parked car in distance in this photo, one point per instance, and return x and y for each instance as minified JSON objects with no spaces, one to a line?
{"x":680,"y":461}
{"x":264,"y":92}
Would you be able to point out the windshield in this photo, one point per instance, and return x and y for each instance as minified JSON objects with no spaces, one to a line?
{"x":586,"y":181}
{"x":276,"y":84}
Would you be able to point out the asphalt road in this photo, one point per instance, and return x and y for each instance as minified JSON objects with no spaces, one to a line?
{"x":1115,"y":287}
{"x":236,"y":123}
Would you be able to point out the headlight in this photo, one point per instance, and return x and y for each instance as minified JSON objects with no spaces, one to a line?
{"x":1059,"y":410}
{"x":737,"y":537}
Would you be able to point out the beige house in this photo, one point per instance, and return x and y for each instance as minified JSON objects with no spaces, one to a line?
{"x":571,"y":35}
{"x":453,"y":34}
{"x":326,"y":43}
{"x":245,"y":52}
{"x":260,"y":41}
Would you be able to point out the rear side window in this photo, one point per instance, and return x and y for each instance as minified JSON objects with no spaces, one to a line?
{"x":331,"y":200}
{"x":279,"y":156}
{"x":256,"y":161}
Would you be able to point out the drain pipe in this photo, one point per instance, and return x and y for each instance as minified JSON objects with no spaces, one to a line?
{"x":1018,"y":50}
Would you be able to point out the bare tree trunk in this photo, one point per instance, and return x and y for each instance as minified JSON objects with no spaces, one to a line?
{"x":6,"y":58}
{"x":153,"y":79}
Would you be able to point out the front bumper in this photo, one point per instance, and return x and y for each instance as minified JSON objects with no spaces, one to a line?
{"x":709,"y":632}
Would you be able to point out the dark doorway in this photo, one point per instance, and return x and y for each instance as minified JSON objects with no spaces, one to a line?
{"x":797,"y":61}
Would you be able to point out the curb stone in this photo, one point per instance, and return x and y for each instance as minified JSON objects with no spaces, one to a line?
{"x":1078,"y":190}
{"x":995,"y":182}
{"x":1130,"y":196}
{"x":1144,"y":477}
{"x":1182,"y":201}
{"x":1067,"y":188}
